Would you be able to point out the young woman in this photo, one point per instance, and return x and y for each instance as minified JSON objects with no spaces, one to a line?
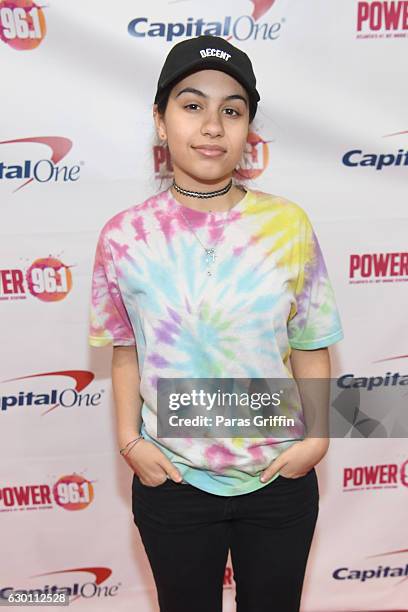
{"x":208,"y":279}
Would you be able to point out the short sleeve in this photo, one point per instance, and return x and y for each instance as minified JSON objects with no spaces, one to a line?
{"x":109,"y":321}
{"x":314,"y":320}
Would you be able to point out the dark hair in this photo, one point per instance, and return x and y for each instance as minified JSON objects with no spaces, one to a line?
{"x":163,"y":99}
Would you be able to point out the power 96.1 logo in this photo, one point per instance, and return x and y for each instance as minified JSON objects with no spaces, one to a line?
{"x":73,"y":492}
{"x":22,"y":24}
{"x":49,"y":279}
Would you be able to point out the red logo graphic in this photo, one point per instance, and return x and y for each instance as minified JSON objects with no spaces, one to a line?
{"x":391,"y":358}
{"x":47,"y":279}
{"x":382,"y":19}
{"x":397,"y":133}
{"x":70,"y":492}
{"x":261,"y":7}
{"x":256,"y":157}
{"x":403,"y":551}
{"x":82,"y":377}
{"x":378,"y":267}
{"x":22,"y":24}
{"x":379,"y":476}
{"x":73,"y":492}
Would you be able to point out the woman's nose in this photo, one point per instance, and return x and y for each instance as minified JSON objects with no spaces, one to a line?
{"x":212,"y":124}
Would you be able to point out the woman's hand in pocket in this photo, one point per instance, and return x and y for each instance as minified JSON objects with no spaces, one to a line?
{"x":298,"y":459}
{"x":151,"y":465}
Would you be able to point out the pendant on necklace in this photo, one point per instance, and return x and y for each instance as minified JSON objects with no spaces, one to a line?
{"x":210,"y":253}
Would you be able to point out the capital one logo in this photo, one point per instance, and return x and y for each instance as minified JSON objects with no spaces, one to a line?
{"x":67,"y":397}
{"x":44,"y":170}
{"x":241,"y":27}
{"x":71,"y":583}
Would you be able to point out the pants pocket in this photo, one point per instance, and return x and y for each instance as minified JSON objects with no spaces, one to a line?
{"x":308,"y":475}
{"x":137,"y":481}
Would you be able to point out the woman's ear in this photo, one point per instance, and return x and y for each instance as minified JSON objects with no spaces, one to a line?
{"x":159,"y":123}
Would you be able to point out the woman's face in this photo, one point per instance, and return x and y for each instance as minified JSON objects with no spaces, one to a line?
{"x":206,"y":125}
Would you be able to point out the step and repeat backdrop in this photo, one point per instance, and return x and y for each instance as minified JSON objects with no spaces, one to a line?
{"x":77,"y":145}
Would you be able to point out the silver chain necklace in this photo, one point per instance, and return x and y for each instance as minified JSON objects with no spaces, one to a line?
{"x":209,"y":251}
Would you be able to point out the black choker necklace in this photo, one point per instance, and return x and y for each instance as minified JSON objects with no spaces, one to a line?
{"x":202,"y":194}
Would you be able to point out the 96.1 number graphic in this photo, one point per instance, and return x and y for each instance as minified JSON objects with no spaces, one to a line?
{"x":16,"y":23}
{"x":48,"y":279}
{"x":21,"y":27}
{"x":73,"y":492}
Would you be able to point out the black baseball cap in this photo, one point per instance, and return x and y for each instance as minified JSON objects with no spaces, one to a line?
{"x":193,"y":54}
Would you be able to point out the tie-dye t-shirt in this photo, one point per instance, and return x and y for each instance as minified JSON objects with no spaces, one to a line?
{"x":269,"y":292}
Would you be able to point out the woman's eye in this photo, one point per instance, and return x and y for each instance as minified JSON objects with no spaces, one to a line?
{"x":229,"y":111}
{"x":233,"y":111}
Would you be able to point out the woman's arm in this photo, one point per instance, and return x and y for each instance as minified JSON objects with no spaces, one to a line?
{"x":311,"y":370}
{"x":311,"y":363}
{"x":125,"y":385}
{"x":145,"y":458}
{"x":302,"y":456}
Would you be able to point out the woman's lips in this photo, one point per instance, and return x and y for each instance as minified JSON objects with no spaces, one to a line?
{"x":210,"y":151}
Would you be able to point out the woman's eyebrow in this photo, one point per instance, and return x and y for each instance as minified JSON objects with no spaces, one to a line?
{"x":203,"y":95}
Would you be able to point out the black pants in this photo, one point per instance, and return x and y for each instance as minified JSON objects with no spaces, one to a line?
{"x":187,"y":533}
